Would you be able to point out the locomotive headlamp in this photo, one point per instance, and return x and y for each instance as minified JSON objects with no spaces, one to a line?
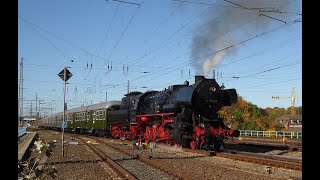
{"x":201,"y":125}
{"x":228,"y":125}
{"x":213,"y":89}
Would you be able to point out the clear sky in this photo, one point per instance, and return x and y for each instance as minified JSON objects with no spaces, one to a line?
{"x":253,"y":46}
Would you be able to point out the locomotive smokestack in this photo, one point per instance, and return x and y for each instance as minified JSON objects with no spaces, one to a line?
{"x":198,"y":78}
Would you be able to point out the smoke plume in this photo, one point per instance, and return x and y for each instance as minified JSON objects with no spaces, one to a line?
{"x":223,"y":27}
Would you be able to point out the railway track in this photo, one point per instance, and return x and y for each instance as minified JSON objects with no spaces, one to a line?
{"x":150,"y":161}
{"x":121,"y":171}
{"x":171,"y":173}
{"x":264,"y":159}
{"x":268,"y":143}
{"x":176,"y":164}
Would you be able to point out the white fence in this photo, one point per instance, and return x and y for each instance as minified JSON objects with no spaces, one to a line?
{"x":21,"y":131}
{"x":276,"y":134}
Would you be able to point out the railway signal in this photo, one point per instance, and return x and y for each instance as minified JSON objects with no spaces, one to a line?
{"x":65,"y":74}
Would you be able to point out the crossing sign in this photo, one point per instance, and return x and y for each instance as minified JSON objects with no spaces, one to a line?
{"x":65,"y":74}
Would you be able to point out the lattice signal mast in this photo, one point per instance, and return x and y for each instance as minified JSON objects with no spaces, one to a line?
{"x":21,"y":91}
{"x":292,"y":98}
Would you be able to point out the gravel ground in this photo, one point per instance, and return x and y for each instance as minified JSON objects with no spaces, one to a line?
{"x":80,"y":163}
{"x":284,"y":153}
{"x":213,"y":167}
{"x":135,"y":167}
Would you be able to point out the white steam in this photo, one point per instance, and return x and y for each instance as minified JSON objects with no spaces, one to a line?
{"x":222,"y":28}
{"x":212,"y":62}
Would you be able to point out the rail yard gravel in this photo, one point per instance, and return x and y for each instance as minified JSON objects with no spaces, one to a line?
{"x":211,"y":167}
{"x":80,"y":163}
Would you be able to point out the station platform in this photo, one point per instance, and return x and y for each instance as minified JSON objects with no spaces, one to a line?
{"x":24,"y":143}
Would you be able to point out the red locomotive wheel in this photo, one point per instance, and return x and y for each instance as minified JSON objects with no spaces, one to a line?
{"x":202,"y":139}
{"x":193,"y":144}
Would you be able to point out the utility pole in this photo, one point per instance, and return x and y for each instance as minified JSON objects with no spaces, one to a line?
{"x":21,"y":92}
{"x":292,"y":98}
{"x":30,"y":110}
{"x":38,"y":102}
{"x":37,"y":113}
{"x":128,"y":87}
{"x":106,"y":96}
{"x":40,"y":109}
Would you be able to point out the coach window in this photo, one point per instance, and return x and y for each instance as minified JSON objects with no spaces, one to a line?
{"x":93,"y":117}
{"x":100,"y":114}
{"x":70,"y":118}
{"x":97,"y":115}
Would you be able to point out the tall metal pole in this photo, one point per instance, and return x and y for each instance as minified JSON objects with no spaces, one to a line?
{"x":20,"y":118}
{"x":128,"y":87}
{"x":64,"y":109}
{"x":293,"y":112}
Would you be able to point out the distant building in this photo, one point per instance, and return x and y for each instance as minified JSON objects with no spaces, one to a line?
{"x":28,"y":120}
{"x":291,"y":122}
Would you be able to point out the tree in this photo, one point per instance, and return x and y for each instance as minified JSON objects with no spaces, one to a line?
{"x":246,"y":115}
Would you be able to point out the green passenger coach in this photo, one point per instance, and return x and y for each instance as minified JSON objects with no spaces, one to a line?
{"x":93,"y":119}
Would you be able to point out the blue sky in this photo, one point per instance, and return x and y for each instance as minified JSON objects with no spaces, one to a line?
{"x":253,"y":46}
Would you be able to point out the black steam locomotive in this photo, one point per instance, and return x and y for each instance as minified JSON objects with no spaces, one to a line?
{"x":190,"y":111}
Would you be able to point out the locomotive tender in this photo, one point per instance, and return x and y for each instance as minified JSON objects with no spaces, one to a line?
{"x":181,"y":114}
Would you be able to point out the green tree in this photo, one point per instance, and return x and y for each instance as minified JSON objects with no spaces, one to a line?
{"x":246,"y":115}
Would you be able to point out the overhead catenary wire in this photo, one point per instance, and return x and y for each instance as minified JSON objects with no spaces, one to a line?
{"x":233,"y":45}
{"x":115,"y":46}
{"x":239,"y":6}
{"x":223,"y":49}
{"x":145,"y":67}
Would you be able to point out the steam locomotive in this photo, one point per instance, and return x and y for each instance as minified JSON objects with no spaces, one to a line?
{"x":181,"y":114}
